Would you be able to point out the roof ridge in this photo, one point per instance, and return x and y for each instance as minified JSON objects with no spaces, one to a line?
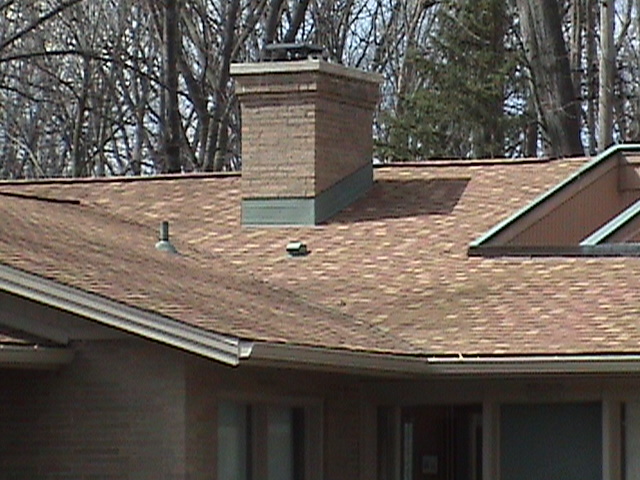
{"x":119,"y":179}
{"x":235,"y":174}
{"x":489,"y":162}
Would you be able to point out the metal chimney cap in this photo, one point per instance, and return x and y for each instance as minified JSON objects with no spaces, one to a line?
{"x":289,"y":52}
{"x":164,"y":244}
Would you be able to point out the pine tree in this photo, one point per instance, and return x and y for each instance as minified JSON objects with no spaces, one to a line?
{"x":459,"y":108}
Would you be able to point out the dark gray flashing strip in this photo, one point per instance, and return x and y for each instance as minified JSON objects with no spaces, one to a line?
{"x":601,"y":250}
{"x":149,"y":325}
{"x":604,"y":156}
{"x":613,"y":226}
{"x":288,"y":212}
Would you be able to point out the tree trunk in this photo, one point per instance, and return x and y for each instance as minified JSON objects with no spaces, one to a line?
{"x":296,"y":21}
{"x":273,"y":20}
{"x":79,"y":160}
{"x":577,"y":20}
{"x":223,"y":80}
{"x":172,"y":48}
{"x":548,"y":58}
{"x":607,"y":72}
{"x":591,"y":30}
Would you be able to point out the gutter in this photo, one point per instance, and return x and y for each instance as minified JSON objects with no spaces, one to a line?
{"x":537,"y":364}
{"x":34,"y":357}
{"x":225,"y":349}
{"x":367,"y":363}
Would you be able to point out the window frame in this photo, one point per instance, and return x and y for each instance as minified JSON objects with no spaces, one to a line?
{"x":258,"y":455}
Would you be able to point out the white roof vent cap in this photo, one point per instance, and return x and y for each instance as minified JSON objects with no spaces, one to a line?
{"x":297,"y":249}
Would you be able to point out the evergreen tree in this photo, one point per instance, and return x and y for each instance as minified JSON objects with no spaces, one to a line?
{"x":458,"y":108}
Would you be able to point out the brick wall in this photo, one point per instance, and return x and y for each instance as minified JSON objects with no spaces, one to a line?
{"x":117,"y":412}
{"x":130,"y":409}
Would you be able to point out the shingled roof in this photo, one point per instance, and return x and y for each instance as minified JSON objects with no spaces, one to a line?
{"x":390,"y":274}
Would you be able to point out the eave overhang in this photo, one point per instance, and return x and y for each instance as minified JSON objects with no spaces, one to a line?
{"x":149,"y":325}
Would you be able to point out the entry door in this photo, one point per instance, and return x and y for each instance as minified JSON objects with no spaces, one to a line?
{"x":435,"y":442}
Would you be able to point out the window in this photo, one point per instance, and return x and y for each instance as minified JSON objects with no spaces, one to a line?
{"x":234,"y":441}
{"x":267,"y":441}
{"x":630,"y":413}
{"x":551,"y":441}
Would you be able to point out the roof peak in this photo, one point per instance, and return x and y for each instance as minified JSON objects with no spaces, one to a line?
{"x":486,"y":162}
{"x":120,"y":179}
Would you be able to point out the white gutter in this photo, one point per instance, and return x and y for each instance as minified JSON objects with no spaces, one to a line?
{"x":537,"y":364}
{"x":107,"y":312}
{"x":232,"y":351}
{"x":34,"y":357}
{"x":404,"y":365}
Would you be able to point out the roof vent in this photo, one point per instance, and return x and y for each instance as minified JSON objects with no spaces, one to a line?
{"x":297,"y":249}
{"x":164,"y":245}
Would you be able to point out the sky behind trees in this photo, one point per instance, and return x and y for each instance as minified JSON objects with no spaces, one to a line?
{"x":129,"y":87}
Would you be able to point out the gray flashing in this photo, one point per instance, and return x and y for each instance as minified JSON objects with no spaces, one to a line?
{"x":225,"y":349}
{"x":284,"y":212}
{"x":604,"y":156}
{"x":278,"y":212}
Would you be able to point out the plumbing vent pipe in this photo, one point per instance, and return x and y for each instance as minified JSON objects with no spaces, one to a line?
{"x":164,"y":244}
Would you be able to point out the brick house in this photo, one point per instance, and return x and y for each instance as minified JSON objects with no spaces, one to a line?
{"x":427,"y":332}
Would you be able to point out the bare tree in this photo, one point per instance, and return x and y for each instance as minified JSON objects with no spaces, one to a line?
{"x":607,"y":72}
{"x":548,"y":59}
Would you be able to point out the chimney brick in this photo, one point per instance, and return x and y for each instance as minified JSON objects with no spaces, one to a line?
{"x":306,"y":126}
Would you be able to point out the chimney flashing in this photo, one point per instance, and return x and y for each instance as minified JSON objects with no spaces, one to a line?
{"x":310,"y":211}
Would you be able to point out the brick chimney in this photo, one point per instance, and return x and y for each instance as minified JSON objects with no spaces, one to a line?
{"x":307,"y":139}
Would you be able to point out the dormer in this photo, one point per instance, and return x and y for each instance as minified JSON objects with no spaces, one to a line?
{"x":594,"y":212}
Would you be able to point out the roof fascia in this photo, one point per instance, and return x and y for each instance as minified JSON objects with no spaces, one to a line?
{"x":34,"y":357}
{"x":598,"y":250}
{"x":479,"y":245}
{"x":225,"y":349}
{"x":536,"y":365}
{"x":385,"y":364}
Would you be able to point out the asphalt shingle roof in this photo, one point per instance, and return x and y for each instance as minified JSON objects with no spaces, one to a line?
{"x":389,"y":274}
